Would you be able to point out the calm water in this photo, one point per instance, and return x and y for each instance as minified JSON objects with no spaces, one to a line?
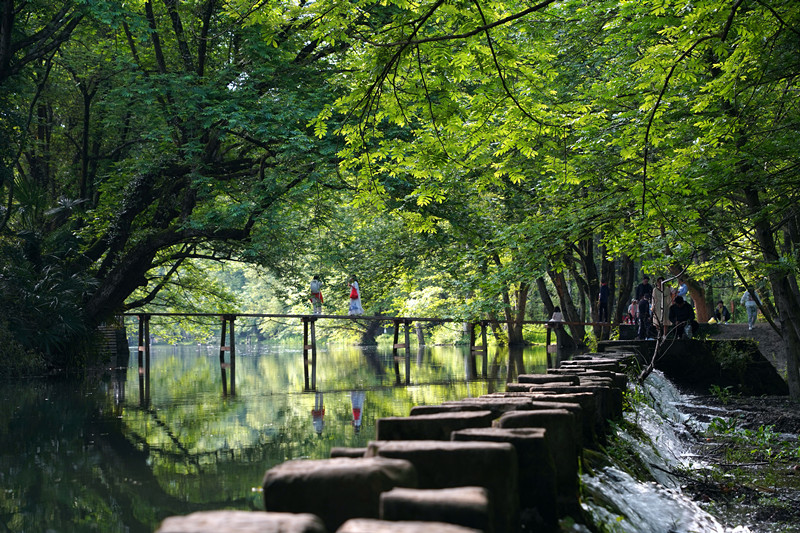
{"x":102,"y":455}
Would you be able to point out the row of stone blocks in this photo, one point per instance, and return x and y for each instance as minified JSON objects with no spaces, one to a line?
{"x":498,"y":463}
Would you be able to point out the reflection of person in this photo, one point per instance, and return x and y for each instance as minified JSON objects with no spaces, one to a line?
{"x":721,"y":313}
{"x":315,"y":291}
{"x":355,"y":298}
{"x":681,"y":315}
{"x":357,"y":402}
{"x":752,"y":307}
{"x":602,"y":302}
{"x":318,"y":413}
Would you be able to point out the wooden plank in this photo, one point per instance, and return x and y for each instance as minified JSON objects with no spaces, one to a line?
{"x":401,"y":345}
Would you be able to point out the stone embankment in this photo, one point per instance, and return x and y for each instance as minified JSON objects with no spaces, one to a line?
{"x":499,"y":463}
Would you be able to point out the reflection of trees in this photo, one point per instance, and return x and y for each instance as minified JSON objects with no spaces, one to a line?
{"x":73,"y":457}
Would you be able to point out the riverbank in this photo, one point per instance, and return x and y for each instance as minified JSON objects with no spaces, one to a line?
{"x":751,"y":450}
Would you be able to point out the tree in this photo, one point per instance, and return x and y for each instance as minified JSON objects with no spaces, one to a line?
{"x":656,"y":163}
{"x":161,"y":133}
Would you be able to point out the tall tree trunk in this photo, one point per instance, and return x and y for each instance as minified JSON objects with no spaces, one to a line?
{"x":563,"y":338}
{"x":786,"y":296}
{"x":568,"y":308}
{"x":515,"y":337}
{"x":607,"y":273}
{"x":625,"y":287}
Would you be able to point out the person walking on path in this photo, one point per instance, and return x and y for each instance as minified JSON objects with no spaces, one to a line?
{"x":355,"y":298}
{"x":315,"y":291}
{"x":750,"y":301}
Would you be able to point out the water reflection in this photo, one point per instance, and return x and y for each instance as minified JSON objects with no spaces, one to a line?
{"x":116,"y":454}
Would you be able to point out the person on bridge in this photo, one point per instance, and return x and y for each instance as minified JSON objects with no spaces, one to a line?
{"x":355,"y":298}
{"x":751,"y":304}
{"x":644,"y":288}
{"x":645,"y":320}
{"x":721,"y":313}
{"x":681,"y":314}
{"x":661,"y":302}
{"x":316,"y":295}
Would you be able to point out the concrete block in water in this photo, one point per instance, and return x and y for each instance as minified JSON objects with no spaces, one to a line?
{"x":536,"y":471}
{"x":496,"y":404}
{"x":335,"y":489}
{"x":242,"y":522}
{"x":463,"y":506}
{"x":344,"y":451}
{"x":443,"y":408}
{"x":593,"y":364}
{"x":430,"y":427}
{"x":608,"y":400}
{"x":444,"y":464}
{"x":561,"y":429}
{"x":363,"y":525}
{"x":548,"y":378}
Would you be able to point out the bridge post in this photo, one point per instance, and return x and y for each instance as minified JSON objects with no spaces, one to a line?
{"x":306,"y":347}
{"x":548,"y":348}
{"x":310,"y":326}
{"x":313,"y":353}
{"x":231,"y":319}
{"x":485,"y":358}
{"x":472,"y":371}
{"x":395,"y":346}
{"x":231,"y":348}
{"x":408,"y":352}
{"x":144,"y":358}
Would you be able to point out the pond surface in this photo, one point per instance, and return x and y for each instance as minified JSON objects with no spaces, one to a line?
{"x":108,"y":454}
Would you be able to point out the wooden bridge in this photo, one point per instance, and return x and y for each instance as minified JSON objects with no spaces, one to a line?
{"x":227,"y":343}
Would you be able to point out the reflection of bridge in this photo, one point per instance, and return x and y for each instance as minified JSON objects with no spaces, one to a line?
{"x":228,"y":343}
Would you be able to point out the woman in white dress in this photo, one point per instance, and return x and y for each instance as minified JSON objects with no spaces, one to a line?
{"x":355,"y":298}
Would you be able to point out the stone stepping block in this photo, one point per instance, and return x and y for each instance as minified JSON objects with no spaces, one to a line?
{"x":594,"y":364}
{"x":335,"y":489}
{"x":561,"y":428}
{"x":443,"y":408}
{"x":618,"y":379}
{"x":364,"y":525}
{"x":445,"y":464}
{"x":548,"y":378}
{"x":588,"y":409}
{"x":430,"y":427}
{"x":496,"y":404}
{"x":608,"y":400}
{"x":344,"y":451}
{"x":463,"y":506}
{"x":242,"y":522}
{"x":536,"y":471}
